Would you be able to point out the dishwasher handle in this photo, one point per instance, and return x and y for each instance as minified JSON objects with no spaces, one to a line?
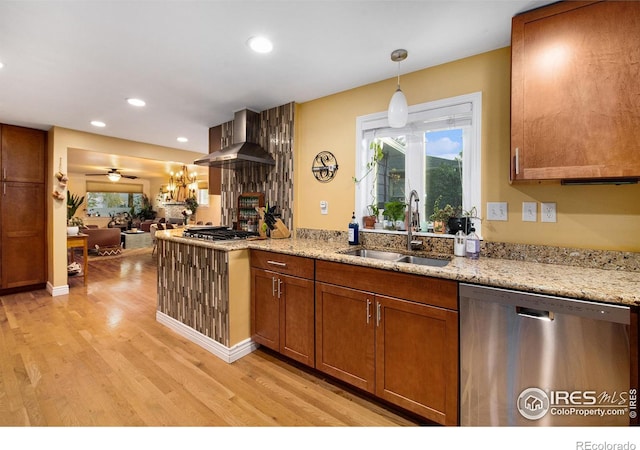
{"x":542,"y":302}
{"x":534,"y":313}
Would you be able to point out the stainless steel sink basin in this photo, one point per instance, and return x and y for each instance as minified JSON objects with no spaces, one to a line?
{"x":375,"y":254}
{"x":398,"y":257}
{"x":435,"y":262}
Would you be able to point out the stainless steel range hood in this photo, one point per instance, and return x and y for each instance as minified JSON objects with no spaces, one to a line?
{"x":243,"y":149}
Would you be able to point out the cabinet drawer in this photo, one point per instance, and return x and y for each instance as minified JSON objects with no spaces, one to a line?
{"x":417,"y":288}
{"x":281,"y":263}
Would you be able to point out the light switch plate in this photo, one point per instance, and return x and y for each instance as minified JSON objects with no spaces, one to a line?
{"x":324,"y":207}
{"x":547,"y":212}
{"x":529,"y":211}
{"x":497,"y":211}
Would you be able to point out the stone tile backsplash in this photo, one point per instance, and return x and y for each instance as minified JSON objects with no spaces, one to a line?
{"x":578,"y":257}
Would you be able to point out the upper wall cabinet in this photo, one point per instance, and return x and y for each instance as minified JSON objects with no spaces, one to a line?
{"x":23,"y":152}
{"x":575,"y":92}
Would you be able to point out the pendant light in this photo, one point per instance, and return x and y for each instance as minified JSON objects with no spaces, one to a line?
{"x":398,"y":109}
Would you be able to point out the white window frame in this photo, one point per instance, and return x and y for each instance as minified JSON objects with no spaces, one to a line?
{"x":414,"y":174}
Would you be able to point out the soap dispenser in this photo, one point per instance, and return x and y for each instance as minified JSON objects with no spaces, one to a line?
{"x":473,"y":245}
{"x":459,"y":244}
{"x":354,"y":235}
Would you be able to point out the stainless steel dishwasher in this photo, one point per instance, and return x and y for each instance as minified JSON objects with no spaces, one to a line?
{"x":537,"y":360}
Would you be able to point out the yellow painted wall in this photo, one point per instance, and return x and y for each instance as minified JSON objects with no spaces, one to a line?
{"x":598,"y":217}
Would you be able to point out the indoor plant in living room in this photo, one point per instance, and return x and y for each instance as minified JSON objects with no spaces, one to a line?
{"x":191,"y":205}
{"x":73,"y":223}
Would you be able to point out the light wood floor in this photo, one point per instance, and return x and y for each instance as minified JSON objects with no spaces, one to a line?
{"x":97,"y":357}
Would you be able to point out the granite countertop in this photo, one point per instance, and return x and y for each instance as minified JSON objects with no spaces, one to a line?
{"x":611,"y":286}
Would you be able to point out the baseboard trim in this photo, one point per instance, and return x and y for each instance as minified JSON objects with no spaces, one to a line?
{"x":54,"y":291}
{"x":227,"y":354}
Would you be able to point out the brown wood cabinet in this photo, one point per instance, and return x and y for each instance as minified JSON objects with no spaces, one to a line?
{"x":345,"y":335}
{"x":23,"y":154}
{"x":417,"y":358}
{"x":22,"y":208}
{"x":402,"y":348}
{"x":575,"y":86}
{"x":282,"y":304}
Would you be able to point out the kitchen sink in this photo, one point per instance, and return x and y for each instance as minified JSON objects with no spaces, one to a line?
{"x":375,"y":254}
{"x":423,"y":261}
{"x":397,"y":257}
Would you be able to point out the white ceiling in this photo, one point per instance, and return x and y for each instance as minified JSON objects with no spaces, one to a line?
{"x":69,"y":62}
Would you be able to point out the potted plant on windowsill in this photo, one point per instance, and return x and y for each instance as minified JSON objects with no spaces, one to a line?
{"x":440,"y":216}
{"x":370,"y":220}
{"x":461,"y":220}
{"x":394,"y":212}
{"x":372,"y":168}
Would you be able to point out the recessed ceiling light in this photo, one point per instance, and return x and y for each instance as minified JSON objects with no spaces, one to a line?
{"x":98,"y":123}
{"x":136,"y":102}
{"x":182,"y":139}
{"x":260,"y":44}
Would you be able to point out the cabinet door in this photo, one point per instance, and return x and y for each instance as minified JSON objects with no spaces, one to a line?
{"x":575,"y":90}
{"x":297,"y":336}
{"x":22,"y":207}
{"x":23,"y":154}
{"x":417,"y":358}
{"x":345,"y":335}
{"x":265,"y":309}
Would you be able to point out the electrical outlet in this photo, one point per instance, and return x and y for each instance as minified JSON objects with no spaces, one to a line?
{"x":497,"y":211}
{"x":548,"y":212}
{"x":529,"y":211}
{"x":324,"y":207}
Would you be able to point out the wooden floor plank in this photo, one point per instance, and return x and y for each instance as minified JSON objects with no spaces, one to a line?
{"x":98,"y":357}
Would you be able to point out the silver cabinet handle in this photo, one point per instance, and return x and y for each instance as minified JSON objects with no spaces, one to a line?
{"x":517,"y":161}
{"x":279,"y":287}
{"x":273,"y":286}
{"x":368,"y":310}
{"x":277,"y":263}
{"x":378,"y":314}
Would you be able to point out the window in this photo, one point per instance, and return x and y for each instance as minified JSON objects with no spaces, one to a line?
{"x":437,"y":153}
{"x":203,"y":197}
{"x":108,"y":203}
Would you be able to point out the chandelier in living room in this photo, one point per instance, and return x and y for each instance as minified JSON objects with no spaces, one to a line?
{"x":182,"y":185}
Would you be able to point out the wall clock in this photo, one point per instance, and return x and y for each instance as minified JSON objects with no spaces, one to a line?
{"x":324,"y":167}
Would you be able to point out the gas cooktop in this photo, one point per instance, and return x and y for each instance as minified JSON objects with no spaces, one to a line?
{"x":217,"y":233}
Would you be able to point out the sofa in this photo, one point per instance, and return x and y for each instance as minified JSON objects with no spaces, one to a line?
{"x":102,"y":237}
{"x":146,"y":224}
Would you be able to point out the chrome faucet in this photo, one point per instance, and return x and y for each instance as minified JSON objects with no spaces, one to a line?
{"x":414,"y":219}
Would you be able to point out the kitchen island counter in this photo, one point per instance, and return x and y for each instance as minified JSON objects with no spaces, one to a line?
{"x":611,"y":286}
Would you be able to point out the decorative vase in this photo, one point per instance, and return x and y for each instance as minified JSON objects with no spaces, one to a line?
{"x":73,"y":231}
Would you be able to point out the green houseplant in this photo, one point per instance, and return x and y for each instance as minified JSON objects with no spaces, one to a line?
{"x":73,"y":223}
{"x":372,"y":168}
{"x":394,"y":211}
{"x":73,"y":203}
{"x":440,"y":216}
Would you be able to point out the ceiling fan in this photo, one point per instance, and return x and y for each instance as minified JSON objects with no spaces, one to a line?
{"x":113,"y":175}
